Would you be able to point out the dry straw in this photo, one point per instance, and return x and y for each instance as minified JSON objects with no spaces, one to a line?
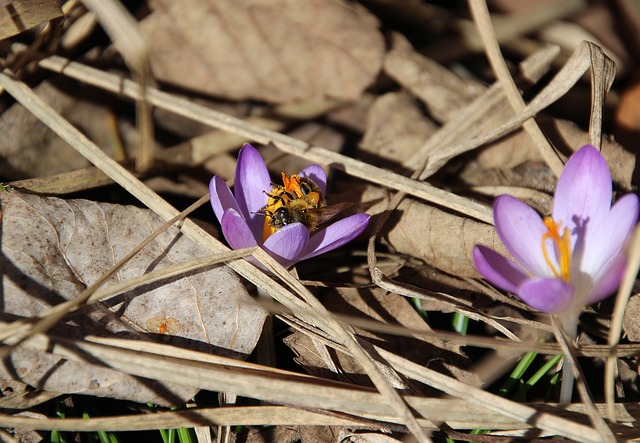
{"x":319,"y":401}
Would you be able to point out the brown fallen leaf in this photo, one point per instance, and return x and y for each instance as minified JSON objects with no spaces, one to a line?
{"x":441,"y":90}
{"x":631,"y":322}
{"x":17,"y":395}
{"x":396,"y":129}
{"x":315,"y":133}
{"x":18,"y":16}
{"x":441,"y":239}
{"x":52,"y":249}
{"x":320,"y":434}
{"x":518,"y":149}
{"x":30,"y":149}
{"x":376,"y":304}
{"x":52,"y":373}
{"x":367,"y":437}
{"x":272,"y":50}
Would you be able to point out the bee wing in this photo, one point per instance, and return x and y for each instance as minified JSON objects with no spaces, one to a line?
{"x":317,"y":216}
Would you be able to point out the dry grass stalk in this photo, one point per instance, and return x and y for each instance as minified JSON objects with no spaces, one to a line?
{"x":205,"y":371}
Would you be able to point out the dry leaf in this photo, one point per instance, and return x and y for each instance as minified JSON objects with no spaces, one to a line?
{"x":518,"y":149}
{"x":441,"y":90}
{"x":508,"y":6}
{"x":631,"y":322}
{"x":317,"y":358}
{"x":53,"y":249}
{"x":319,"y":434}
{"x":396,"y":129}
{"x":30,"y":149}
{"x":628,"y":373}
{"x":352,"y":116}
{"x":315,"y":133}
{"x":52,"y":373}
{"x":272,"y":50}
{"x":441,"y":239}
{"x":27,"y":435}
{"x":17,"y":395}
{"x":320,"y":360}
{"x":367,"y":437}
{"x":18,"y":16}
{"x":283,"y":434}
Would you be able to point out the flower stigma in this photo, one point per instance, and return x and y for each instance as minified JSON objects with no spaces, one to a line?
{"x":563,"y":243}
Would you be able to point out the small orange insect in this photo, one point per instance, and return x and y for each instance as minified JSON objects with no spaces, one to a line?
{"x":163,"y":325}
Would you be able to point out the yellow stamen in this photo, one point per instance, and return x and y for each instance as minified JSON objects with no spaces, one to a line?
{"x":278,"y":197}
{"x":563,"y":244}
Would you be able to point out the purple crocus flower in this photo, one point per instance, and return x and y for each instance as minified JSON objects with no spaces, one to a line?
{"x":242,"y":221}
{"x":573,"y":258}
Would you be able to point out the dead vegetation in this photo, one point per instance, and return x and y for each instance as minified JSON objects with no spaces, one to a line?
{"x":417,"y":112}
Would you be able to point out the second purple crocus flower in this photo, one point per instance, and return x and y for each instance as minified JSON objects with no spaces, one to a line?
{"x":242,"y":222}
{"x":573,"y":258}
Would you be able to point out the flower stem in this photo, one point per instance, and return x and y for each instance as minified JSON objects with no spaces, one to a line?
{"x":570,"y":326}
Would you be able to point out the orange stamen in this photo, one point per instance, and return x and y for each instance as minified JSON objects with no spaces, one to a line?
{"x":563,"y":243}
{"x":292,"y":184}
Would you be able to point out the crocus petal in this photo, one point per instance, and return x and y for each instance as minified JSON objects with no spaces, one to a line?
{"x":221,"y":197}
{"x":609,"y":281}
{"x":236,"y":231}
{"x":550,"y":295}
{"x":317,"y":174}
{"x":251,"y":181}
{"x":336,"y":235}
{"x":606,"y":240}
{"x":287,"y":244}
{"x":584,"y":188}
{"x":499,"y":270}
{"x":521,"y":229}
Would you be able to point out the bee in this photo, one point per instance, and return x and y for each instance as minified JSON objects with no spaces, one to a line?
{"x":298,"y":199}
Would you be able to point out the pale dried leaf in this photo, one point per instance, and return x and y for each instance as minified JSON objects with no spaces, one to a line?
{"x":441,"y":239}
{"x":368,"y":437}
{"x":30,"y":149}
{"x":277,"y":51}
{"x":315,"y":133}
{"x":17,"y":395}
{"x":396,"y":129}
{"x":18,"y":16}
{"x":53,"y":249}
{"x":284,"y":434}
{"x":393,"y":309}
{"x":320,"y":434}
{"x":320,"y":360}
{"x":353,"y":116}
{"x":317,"y":358}
{"x":53,"y":373}
{"x":631,"y":321}
{"x":441,"y":90}
{"x":518,"y":149}
{"x":127,"y":37}
{"x":569,"y":36}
